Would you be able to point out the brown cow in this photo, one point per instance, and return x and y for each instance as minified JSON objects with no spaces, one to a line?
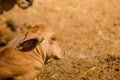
{"x":24,"y":57}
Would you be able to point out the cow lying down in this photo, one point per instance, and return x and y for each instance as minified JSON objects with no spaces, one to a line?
{"x":24,"y":57}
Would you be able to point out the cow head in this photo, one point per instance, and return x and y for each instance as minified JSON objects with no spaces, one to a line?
{"x":45,"y":38}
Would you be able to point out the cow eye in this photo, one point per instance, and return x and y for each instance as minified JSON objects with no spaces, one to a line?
{"x":53,"y":39}
{"x":29,"y":0}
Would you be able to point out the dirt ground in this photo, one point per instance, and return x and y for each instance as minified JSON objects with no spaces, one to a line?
{"x":89,"y":31}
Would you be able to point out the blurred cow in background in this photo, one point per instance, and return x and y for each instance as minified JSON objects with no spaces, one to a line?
{"x":8,"y":31}
{"x":6,"y":5}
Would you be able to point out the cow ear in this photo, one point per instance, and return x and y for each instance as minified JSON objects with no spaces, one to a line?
{"x":28,"y":45}
{"x":31,"y":39}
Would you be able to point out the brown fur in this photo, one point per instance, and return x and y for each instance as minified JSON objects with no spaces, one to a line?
{"x":18,"y":61}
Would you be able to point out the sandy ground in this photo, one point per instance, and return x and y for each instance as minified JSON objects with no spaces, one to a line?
{"x":89,"y":31}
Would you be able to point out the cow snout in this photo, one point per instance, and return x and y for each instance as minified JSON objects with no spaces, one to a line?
{"x":59,"y":56}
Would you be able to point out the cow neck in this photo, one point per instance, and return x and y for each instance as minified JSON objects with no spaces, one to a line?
{"x":40,"y":54}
